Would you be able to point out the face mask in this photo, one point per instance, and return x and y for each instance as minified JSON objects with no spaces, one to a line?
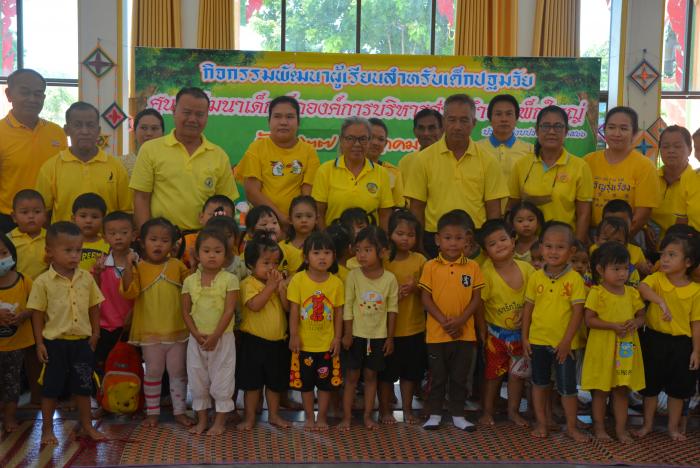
{"x":6,"y":265}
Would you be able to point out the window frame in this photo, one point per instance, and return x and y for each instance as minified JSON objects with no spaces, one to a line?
{"x":685,"y":93}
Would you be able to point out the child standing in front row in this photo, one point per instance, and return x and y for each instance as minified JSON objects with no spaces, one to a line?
{"x":65,"y":317}
{"x":613,"y":359}
{"x":407,"y":362}
{"x":671,"y":339}
{"x":371,"y":305}
{"x":316,"y":297}
{"x":157,"y":326}
{"x":451,"y":292}
{"x":552,"y":316}
{"x":208,"y":305}
{"x":526,"y":220}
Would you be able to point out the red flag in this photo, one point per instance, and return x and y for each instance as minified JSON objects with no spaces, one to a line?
{"x":446,"y":9}
{"x":251,"y":7}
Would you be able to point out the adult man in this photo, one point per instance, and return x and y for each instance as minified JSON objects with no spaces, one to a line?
{"x":175,"y":174}
{"x":453,"y":173}
{"x":427,"y":128}
{"x":26,"y":141}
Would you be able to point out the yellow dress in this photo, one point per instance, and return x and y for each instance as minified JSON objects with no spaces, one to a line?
{"x":611,"y":361}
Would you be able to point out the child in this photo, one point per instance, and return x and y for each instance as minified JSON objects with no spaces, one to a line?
{"x":65,"y":317}
{"x":552,"y":316}
{"x":536,"y":259}
{"x":303,"y":216}
{"x":15,"y":330}
{"x":671,"y":339}
{"x":371,"y":305}
{"x":88,"y":211}
{"x":154,"y":283}
{"x":617,"y":230}
{"x":228,"y":226}
{"x":341,"y":241}
{"x":29,"y":237}
{"x":581,"y":264}
{"x":526,"y":220}
{"x":613,"y":360}
{"x":451,"y":292}
{"x":622,"y":210}
{"x":505,"y":279}
{"x":354,"y":220}
{"x":407,"y":362}
{"x":216,"y":205}
{"x":209,"y":298}
{"x":316,"y":298}
{"x":119,"y":233}
{"x":264,"y":355}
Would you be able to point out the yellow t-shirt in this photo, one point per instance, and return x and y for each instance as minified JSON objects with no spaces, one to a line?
{"x":503,"y":305}
{"x":683,"y":302}
{"x":180,"y":183}
{"x":282,"y":171}
{"x":23,"y":151}
{"x":31,"y":253}
{"x":395,"y":182}
{"x":666,"y":214}
{"x":339,"y":189}
{"x":634,"y":180}
{"x":411,"y":318}
{"x":317,"y":303}
{"x":555,"y":190}
{"x":91,"y":252}
{"x":553,"y":299}
{"x":293,"y":257}
{"x":506,"y":156}
{"x":689,"y":206}
{"x":342,"y":273}
{"x":65,"y":302}
{"x":368,"y":301}
{"x":452,"y":285}
{"x":157,"y":313}
{"x":445,"y":183}
{"x":270,"y":322}
{"x":64,"y":177}
{"x":13,"y":338}
{"x":209,"y":302}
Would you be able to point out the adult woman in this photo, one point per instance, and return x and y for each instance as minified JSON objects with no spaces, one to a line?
{"x":148,"y":124}
{"x":281,"y":167}
{"x":557,"y":182}
{"x":622,"y":173}
{"x":351,"y":180}
{"x":377,"y":142}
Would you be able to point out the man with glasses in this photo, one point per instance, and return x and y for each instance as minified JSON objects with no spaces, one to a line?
{"x":453,"y":174}
{"x":83,"y":168}
{"x":26,"y":140}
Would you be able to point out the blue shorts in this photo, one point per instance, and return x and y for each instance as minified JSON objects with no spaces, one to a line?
{"x":543,"y":360}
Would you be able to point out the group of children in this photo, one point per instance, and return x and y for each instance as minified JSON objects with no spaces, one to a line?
{"x":319,"y":310}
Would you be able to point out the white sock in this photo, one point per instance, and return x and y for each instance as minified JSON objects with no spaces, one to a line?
{"x":461,"y":423}
{"x":433,"y":421}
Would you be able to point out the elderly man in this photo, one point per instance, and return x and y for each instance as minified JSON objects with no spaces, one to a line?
{"x":26,"y":141}
{"x":454,"y":174}
{"x":175,"y":174}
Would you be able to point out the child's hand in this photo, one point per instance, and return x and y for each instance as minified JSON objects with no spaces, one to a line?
{"x":99,"y":266}
{"x":407,"y":289}
{"x":7,"y":317}
{"x":282,"y":287}
{"x":132,"y":258}
{"x":92,"y":341}
{"x":388,"y":347}
{"x":665,"y":312}
{"x":335,"y":347}
{"x":563,"y":350}
{"x":347,"y":342}
{"x":198,"y":337}
{"x":694,"y":360}
{"x":294,"y":343}
{"x":210,"y":342}
{"x":42,"y":353}
{"x":527,"y":349}
{"x":644,"y":267}
{"x":274,"y":278}
{"x":620,"y":328}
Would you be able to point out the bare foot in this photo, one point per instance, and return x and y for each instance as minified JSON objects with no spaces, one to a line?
{"x":540,"y":432}
{"x":388,"y":419}
{"x":150,"y":421}
{"x":246,"y":425}
{"x":641,"y":432}
{"x":184,"y":420}
{"x":370,"y":423}
{"x":200,"y":427}
{"x":10,"y":425}
{"x":410,"y":418}
{"x":577,"y":435}
{"x":48,"y":437}
{"x":518,"y":420}
{"x":309,"y":425}
{"x":486,"y":420}
{"x":344,"y":425}
{"x":93,"y":433}
{"x":321,"y":425}
{"x":279,"y":422}
{"x":600,"y":433}
{"x":216,"y":429}
{"x":624,"y":437}
{"x":675,"y":435}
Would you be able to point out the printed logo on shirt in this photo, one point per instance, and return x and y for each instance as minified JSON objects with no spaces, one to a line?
{"x":277,"y":168}
{"x":466,"y":280}
{"x":372,"y":188}
{"x":296,"y":167}
{"x":55,"y":143}
{"x":568,"y":289}
{"x":317,"y":308}
{"x":563,"y":178}
{"x":372,"y":302}
{"x":209,"y":182}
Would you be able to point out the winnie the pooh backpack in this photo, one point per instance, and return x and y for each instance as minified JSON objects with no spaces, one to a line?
{"x":121,"y":391}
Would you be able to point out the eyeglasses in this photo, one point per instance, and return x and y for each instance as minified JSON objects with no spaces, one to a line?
{"x":557,"y":127}
{"x":363,"y":140}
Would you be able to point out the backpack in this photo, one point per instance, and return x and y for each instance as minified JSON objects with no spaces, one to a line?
{"x":121,"y":391}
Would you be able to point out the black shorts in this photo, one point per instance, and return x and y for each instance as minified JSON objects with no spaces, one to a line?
{"x":365,"y":353}
{"x":71,"y":363}
{"x":408,"y":361}
{"x":315,"y":370}
{"x":666,"y":359}
{"x":262,"y":363}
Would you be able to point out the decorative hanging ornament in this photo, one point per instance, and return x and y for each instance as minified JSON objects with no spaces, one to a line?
{"x":657,"y":128}
{"x":644,"y":76}
{"x":114,"y":115}
{"x":98,"y":62}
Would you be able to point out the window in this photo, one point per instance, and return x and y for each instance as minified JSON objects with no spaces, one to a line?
{"x":30,"y":39}
{"x":349,"y":26}
{"x":594,"y":35}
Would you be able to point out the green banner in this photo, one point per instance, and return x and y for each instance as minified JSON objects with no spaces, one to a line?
{"x":331,"y":87}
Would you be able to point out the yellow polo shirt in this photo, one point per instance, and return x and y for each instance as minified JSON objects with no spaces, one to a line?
{"x":445,"y":183}
{"x":31,"y":253}
{"x":689,"y":198}
{"x":554,"y":298}
{"x":179,"y":184}
{"x":665,"y":215}
{"x":65,"y":302}
{"x":339,"y":189}
{"x":405,"y":164}
{"x":683,"y":302}
{"x":395,"y":182}
{"x":64,"y":177}
{"x":634,"y":180}
{"x":566,"y":182}
{"x":506,"y":156}
{"x":282,"y":171}
{"x":22,"y":152}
